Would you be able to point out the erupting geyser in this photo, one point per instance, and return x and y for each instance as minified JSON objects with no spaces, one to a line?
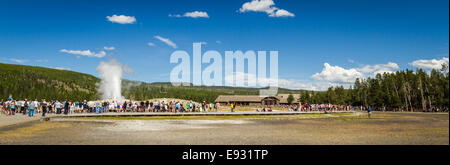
{"x":111,"y":75}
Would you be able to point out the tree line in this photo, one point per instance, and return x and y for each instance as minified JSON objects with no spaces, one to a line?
{"x":402,"y":90}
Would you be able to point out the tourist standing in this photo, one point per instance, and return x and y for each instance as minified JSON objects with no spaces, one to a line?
{"x":66,"y":108}
{"x":13,"y":107}
{"x":32,"y":108}
{"x":72,"y":108}
{"x":232,"y":107}
{"x":105,"y":107}
{"x":97,"y":107}
{"x":36,"y":105}
{"x":369,"y":111}
{"x":25,"y":106}
{"x":58,"y":107}
{"x":44,"y":107}
{"x":20,"y":107}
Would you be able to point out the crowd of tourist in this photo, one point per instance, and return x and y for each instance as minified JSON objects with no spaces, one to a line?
{"x":312,"y":107}
{"x":30,"y":107}
{"x":325,"y":107}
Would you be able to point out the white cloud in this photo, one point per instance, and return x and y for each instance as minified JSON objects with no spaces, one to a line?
{"x":267,"y":6}
{"x":430,"y":64}
{"x":167,"y":41}
{"x":109,"y":48}
{"x":337,"y":74}
{"x":121,"y":19}
{"x":194,"y":14}
{"x":151,"y":44}
{"x":20,"y":61}
{"x":218,"y":42}
{"x":373,"y":70}
{"x":281,"y":13}
{"x":61,"y":68}
{"x":87,"y":53}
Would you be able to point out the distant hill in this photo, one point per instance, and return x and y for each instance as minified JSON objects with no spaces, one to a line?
{"x":52,"y":84}
{"x":32,"y":82}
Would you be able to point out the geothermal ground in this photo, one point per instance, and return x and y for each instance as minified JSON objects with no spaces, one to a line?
{"x":339,"y":128}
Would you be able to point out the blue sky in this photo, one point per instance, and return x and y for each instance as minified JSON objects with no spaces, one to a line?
{"x":320,"y":42}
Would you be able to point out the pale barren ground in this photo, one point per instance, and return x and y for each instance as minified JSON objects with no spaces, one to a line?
{"x":326,"y":129}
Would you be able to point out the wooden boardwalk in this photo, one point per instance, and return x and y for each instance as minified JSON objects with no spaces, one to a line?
{"x":242,"y":113}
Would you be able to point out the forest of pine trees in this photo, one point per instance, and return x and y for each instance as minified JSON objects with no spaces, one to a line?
{"x":402,"y":90}
{"x":30,"y":82}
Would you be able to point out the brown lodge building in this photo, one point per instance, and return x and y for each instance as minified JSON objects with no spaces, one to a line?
{"x":280,"y":99}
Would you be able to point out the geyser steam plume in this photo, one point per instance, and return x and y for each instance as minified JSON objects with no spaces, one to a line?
{"x":111,"y":75}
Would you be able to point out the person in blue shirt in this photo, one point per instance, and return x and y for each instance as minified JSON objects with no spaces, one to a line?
{"x":369,"y":111}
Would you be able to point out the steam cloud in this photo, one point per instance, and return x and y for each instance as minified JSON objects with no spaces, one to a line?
{"x":111,"y":75}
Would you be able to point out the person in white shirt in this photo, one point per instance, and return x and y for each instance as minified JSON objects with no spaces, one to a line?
{"x":36,"y":104}
{"x":72,"y":107}
{"x":58,"y":107}
{"x":111,"y":106}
